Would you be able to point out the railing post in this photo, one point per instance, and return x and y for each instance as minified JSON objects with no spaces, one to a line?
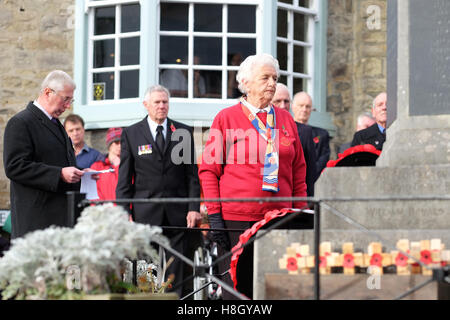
{"x":73,"y":208}
{"x":316,"y":250}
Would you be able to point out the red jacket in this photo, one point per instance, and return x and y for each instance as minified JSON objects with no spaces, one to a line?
{"x":238,"y":172}
{"x":107,"y":182}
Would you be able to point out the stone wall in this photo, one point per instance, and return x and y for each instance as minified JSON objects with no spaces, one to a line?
{"x":35,"y":38}
{"x":356,"y":62}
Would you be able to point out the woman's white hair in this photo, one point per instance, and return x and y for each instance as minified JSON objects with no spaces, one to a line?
{"x":248,"y":66}
{"x":57,"y":80}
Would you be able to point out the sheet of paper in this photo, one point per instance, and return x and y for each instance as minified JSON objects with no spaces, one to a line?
{"x":89,"y":185}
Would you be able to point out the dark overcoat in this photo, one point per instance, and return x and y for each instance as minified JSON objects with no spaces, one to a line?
{"x":35,"y":151}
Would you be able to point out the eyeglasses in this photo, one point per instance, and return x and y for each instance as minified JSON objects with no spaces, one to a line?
{"x":65,"y":99}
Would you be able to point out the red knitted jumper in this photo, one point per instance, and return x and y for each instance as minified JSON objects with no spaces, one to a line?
{"x":233,"y":160}
{"x":107,"y":182}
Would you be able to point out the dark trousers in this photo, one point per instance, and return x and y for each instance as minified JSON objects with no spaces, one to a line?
{"x":244,"y":268}
{"x":184,"y":242}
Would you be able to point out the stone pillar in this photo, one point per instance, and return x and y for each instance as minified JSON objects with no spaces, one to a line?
{"x":415,"y":161}
{"x":420,"y":60}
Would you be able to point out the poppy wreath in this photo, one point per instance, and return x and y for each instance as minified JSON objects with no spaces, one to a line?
{"x":247,"y":234}
{"x":360,"y":148}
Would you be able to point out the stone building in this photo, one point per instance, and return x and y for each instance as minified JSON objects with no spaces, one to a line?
{"x":39,"y":36}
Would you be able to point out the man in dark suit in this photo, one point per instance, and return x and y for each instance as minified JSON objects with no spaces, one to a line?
{"x":282,"y":99}
{"x":39,"y":159}
{"x":376,"y":133}
{"x":363,"y":121}
{"x":302,"y":108}
{"x":154,"y":163}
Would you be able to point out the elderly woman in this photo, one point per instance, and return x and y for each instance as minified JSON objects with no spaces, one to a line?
{"x":253,"y":151}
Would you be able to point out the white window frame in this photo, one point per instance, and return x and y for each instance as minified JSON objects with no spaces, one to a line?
{"x":224,"y":35}
{"x":192,"y":111}
{"x":312,"y":15}
{"x":117,"y":36}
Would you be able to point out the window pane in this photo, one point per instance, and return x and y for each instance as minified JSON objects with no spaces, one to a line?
{"x":173,"y":50}
{"x":208,"y":18}
{"x":286,"y":1}
{"x":104,"y":53}
{"x":282,"y":55}
{"x":105,"y":21}
{"x":299,"y":59}
{"x":174,"y":17}
{"x":208,"y":50}
{"x":298,"y":85}
{"x":241,"y":19}
{"x":208,"y":84}
{"x":239,"y":49}
{"x":233,"y":86}
{"x":129,"y":84}
{"x":131,"y":18}
{"x":300,"y":27}
{"x":304,"y":3}
{"x":175,"y":80}
{"x":282,"y":79}
{"x":282,"y":24}
{"x":106,"y":81}
{"x":129,"y":51}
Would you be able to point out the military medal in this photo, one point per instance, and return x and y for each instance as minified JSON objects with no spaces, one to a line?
{"x":145,"y":149}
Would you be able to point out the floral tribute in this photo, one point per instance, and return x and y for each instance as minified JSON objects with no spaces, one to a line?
{"x":67,"y":263}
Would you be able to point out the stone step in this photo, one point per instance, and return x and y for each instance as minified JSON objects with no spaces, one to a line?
{"x":386,"y":182}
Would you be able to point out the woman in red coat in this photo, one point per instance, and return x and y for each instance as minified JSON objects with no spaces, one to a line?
{"x":253,"y":150}
{"x":107,"y":182}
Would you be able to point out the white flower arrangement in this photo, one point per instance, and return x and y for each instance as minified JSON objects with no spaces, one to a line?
{"x":44,"y":263}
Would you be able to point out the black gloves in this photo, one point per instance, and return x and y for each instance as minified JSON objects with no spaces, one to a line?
{"x":220,"y":237}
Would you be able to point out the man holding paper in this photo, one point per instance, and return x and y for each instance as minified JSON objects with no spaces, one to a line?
{"x":39,"y":159}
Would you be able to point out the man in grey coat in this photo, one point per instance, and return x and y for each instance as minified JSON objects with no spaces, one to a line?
{"x":39,"y":159}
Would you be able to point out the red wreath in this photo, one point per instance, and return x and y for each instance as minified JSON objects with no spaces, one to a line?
{"x":376,"y":260}
{"x":361,"y":155}
{"x":349,"y":261}
{"x":247,"y":234}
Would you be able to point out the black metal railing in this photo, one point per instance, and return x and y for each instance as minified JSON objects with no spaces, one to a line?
{"x":77,"y":203}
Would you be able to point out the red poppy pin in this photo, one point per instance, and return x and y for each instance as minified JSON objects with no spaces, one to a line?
{"x":316,"y":139}
{"x":172,"y":127}
{"x":349,"y":261}
{"x":376,"y":260}
{"x":285,"y":131}
{"x":292,"y":264}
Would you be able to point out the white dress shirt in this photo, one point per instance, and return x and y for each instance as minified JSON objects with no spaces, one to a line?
{"x":153,"y":125}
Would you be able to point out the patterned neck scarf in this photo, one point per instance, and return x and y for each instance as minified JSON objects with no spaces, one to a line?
{"x":267,"y":131}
